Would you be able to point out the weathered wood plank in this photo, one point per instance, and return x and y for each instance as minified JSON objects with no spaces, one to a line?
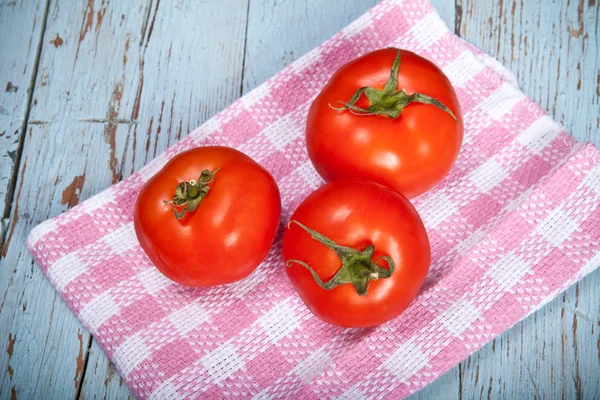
{"x":552,"y":48}
{"x":78,"y":127}
{"x":48,"y":346}
{"x":102,"y":380}
{"x":279,"y":32}
{"x":21,"y":26}
{"x":191,"y":68}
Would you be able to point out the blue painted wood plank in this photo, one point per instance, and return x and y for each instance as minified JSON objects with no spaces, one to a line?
{"x":19,"y":49}
{"x":552,"y":48}
{"x":70,"y":152}
{"x":191,"y":67}
{"x":102,"y":380}
{"x":279,"y":32}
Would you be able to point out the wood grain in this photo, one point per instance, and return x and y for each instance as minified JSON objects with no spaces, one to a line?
{"x":20,"y":50}
{"x":552,"y":48}
{"x":77,"y":130}
{"x":102,"y":380}
{"x":191,"y":60}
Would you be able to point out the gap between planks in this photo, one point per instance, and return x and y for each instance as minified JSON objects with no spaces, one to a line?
{"x":10,"y":194}
{"x":245,"y":48}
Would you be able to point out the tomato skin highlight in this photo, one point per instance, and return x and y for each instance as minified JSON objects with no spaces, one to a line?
{"x":411,"y":153}
{"x":229,"y":233}
{"x":357,"y":213}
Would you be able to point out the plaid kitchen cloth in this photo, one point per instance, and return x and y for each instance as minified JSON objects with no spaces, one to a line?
{"x":516,"y":222}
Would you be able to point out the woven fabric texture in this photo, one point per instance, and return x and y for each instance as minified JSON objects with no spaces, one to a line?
{"x":515,"y":223}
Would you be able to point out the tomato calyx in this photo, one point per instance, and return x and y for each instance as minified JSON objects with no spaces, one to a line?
{"x":388,"y":101}
{"x":189,"y":194}
{"x":358,"y":267}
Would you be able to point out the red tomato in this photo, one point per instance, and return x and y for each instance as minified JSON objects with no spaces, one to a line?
{"x":373,"y":136}
{"x":208,"y":217}
{"x":356,"y":252}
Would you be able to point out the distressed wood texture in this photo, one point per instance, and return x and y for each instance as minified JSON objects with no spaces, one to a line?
{"x":116,"y":83}
{"x":552,"y":47}
{"x":191,"y":68}
{"x":84,"y":95}
{"x":19,"y":50}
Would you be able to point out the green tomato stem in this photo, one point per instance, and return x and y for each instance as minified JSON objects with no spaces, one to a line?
{"x":189,"y":194}
{"x":388,"y":101}
{"x":358,"y":267}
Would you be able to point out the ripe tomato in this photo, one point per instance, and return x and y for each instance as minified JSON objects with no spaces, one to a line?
{"x":356,"y":252}
{"x":398,"y":124}
{"x":208,"y":217}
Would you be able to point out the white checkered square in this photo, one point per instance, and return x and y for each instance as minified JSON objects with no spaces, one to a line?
{"x":263,"y":395}
{"x":151,"y":169}
{"x":306,"y":61}
{"x":428,"y":30}
{"x":240,"y":289}
{"x":222,"y":362}
{"x":279,"y":322}
{"x":359,"y":25}
{"x":98,"y":311}
{"x":255,"y":95}
{"x":153,"y":281}
{"x":166,"y":390}
{"x":98,"y":201}
{"x":458,"y":317}
{"x":205,"y":130}
{"x":406,"y":361}
{"x":189,"y":317}
{"x":556,"y":227}
{"x":121,"y":240}
{"x":435,"y":209}
{"x":488,"y":175}
{"x":501,"y":101}
{"x":40,"y":231}
{"x":309,"y":174}
{"x":283,"y":131}
{"x":312,"y":366}
{"x":65,"y":270}
{"x":463,"y":69}
{"x":539,"y":134}
{"x":508,"y":271}
{"x":353,"y":393}
{"x":131,"y":353}
{"x":592,"y":179}
{"x":499,"y":69}
{"x":591,"y":265}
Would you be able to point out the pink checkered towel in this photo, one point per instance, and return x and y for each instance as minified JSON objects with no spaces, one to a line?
{"x":515,"y":223}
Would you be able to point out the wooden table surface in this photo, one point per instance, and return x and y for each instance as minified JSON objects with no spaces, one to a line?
{"x":93,"y":90}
